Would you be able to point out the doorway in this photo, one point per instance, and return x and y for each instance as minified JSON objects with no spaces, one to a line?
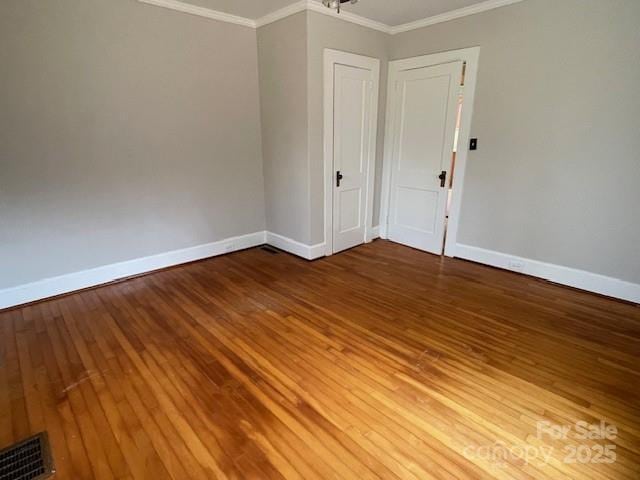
{"x":429,"y":112}
{"x":351,"y":87}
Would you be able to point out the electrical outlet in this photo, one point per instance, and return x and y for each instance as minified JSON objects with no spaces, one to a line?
{"x":516,"y":265}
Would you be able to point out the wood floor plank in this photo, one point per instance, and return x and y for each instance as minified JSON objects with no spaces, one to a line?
{"x":6,"y":411}
{"x":379,"y":363}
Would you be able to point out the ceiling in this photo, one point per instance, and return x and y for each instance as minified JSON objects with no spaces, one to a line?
{"x":389,"y":12}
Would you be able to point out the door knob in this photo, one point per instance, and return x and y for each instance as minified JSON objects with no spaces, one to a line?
{"x":339,"y":177}
{"x":443,"y":178}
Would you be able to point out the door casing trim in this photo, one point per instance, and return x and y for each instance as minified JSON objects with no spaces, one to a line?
{"x":332,"y":57}
{"x":471,"y":56}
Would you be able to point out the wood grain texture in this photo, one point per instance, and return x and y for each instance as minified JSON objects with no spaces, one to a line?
{"x":381,"y":362}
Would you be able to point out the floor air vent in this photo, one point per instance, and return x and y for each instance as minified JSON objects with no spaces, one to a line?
{"x":270,"y":250}
{"x":27,"y":460}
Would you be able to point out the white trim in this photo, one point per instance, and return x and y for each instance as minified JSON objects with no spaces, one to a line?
{"x":348,"y":17}
{"x":331,"y":58}
{"x":309,"y":252}
{"x":314,"y":6}
{"x":452,"y":15}
{"x":201,"y":12}
{"x":301,"y":6}
{"x":591,"y":282}
{"x":375,"y":233}
{"x":471,"y":56}
{"x":51,"y":287}
{"x":282,"y":13}
{"x":304,"y":5}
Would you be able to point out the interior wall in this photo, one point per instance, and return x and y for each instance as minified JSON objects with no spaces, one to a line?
{"x":555,"y":177}
{"x":282,"y":54}
{"x":125,"y":130}
{"x":128,"y":130}
{"x":329,"y":32}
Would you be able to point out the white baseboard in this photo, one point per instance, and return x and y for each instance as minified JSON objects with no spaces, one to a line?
{"x":375,"y":233}
{"x":591,"y":282}
{"x":309,"y":252}
{"x":51,"y":287}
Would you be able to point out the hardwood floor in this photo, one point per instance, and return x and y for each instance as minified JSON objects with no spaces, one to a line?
{"x":381,"y":362}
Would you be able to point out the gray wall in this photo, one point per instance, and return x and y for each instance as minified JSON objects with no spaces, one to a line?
{"x":556,"y":177}
{"x":328,"y":32}
{"x":290,"y":53}
{"x":128,"y":130}
{"x":125,"y":130}
{"x":282,"y":48}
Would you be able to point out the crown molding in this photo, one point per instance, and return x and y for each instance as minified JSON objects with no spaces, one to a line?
{"x":452,"y":15}
{"x":348,"y":17}
{"x":285,"y":12}
{"x":201,"y":12}
{"x":315,"y":6}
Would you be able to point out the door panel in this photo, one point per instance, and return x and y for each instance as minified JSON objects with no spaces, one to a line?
{"x":351,"y":208}
{"x":424,"y":129}
{"x":424,"y":117}
{"x":415,"y":209}
{"x":352,"y":130}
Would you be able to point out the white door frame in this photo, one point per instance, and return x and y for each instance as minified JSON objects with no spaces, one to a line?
{"x":471,"y":57}
{"x":332,"y":57}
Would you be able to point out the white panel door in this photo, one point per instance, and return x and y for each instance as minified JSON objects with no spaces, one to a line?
{"x":425,"y":104}
{"x":353,"y":127}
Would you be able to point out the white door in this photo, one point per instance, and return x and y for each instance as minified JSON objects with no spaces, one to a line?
{"x":425,"y":104}
{"x":354,"y":128}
